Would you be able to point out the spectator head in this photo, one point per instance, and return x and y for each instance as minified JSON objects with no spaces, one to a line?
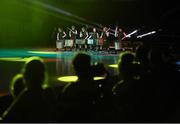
{"x":142,"y":53}
{"x":34,"y":73}
{"x":126,"y":65}
{"x":82,"y":65}
{"x":156,"y":57}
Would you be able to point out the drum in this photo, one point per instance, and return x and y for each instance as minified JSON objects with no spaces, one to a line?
{"x":69,"y":43}
{"x":101,"y":41}
{"x":90,"y":41}
{"x":80,"y":41}
{"x":118,"y":45}
{"x":59,"y":45}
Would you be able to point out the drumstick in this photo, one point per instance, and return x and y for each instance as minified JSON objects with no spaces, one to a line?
{"x":71,"y":30}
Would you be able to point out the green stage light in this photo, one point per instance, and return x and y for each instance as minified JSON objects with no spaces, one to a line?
{"x":40,"y":52}
{"x":75,"y":78}
{"x":113,"y":66}
{"x":136,"y":62}
{"x":98,"y":78}
{"x":45,"y":86}
{"x":14,"y":59}
{"x":116,"y":65}
{"x":68,"y":78}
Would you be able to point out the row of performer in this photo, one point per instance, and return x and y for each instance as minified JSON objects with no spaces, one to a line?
{"x":89,"y":40}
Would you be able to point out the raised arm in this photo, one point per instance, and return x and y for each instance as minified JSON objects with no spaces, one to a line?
{"x":57,"y":36}
{"x":116,"y":32}
{"x":64,"y":34}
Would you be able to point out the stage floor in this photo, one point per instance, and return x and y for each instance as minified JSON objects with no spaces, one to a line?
{"x":58,"y":63}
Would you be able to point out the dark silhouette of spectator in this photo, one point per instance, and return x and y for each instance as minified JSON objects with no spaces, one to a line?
{"x":82,"y":66}
{"x":142,"y":56}
{"x":106,"y":107}
{"x":17,"y":85}
{"x":157,"y":86}
{"x":161,"y":86}
{"x":125,"y":89}
{"x":79,"y":98}
{"x":30,"y":105}
{"x":5,"y":100}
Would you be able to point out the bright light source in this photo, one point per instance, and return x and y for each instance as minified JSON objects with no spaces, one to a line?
{"x":113,"y":66}
{"x":40,"y":52}
{"x":129,"y":35}
{"x":135,"y":62}
{"x":14,"y":59}
{"x":68,"y":78}
{"x":146,"y":34}
{"x":75,"y":78}
{"x":98,"y":78}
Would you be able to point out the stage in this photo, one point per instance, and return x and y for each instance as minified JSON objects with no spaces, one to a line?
{"x":58,"y":63}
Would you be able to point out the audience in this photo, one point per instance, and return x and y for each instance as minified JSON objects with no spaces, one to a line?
{"x":79,"y":98}
{"x":30,"y":105}
{"x":125,"y":89}
{"x":106,"y":106}
{"x":145,"y":90}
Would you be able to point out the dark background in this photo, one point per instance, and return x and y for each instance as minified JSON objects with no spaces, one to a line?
{"x":25,"y":24}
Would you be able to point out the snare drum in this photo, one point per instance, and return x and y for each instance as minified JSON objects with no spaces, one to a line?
{"x":59,"y":45}
{"x":90,"y":41}
{"x":118,"y":45}
{"x":80,"y":41}
{"x":101,"y":41}
{"x":69,"y":43}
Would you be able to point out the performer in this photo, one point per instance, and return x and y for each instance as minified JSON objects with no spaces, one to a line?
{"x":120,"y":35}
{"x":84,"y":36}
{"x":104,"y":39}
{"x":60,"y":39}
{"x":94,"y":38}
{"x":73,"y":34}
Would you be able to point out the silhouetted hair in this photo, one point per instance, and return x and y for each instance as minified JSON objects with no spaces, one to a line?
{"x":126,"y":64}
{"x":34,"y":72}
{"x":156,"y":57}
{"x":142,"y":53}
{"x":17,"y":85}
{"x":82,"y":63}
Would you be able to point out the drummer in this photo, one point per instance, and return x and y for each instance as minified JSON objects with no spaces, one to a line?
{"x":105,"y":38}
{"x":95,"y":37}
{"x":84,"y":36}
{"x":73,"y":34}
{"x":60,"y":39}
{"x":120,"y":35}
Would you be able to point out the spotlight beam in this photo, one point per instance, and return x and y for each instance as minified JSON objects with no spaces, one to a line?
{"x":61,"y":11}
{"x":129,"y":35}
{"x":146,"y":34}
{"x":74,"y":18}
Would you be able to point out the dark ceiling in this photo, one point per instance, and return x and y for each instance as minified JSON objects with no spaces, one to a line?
{"x":124,"y":12}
